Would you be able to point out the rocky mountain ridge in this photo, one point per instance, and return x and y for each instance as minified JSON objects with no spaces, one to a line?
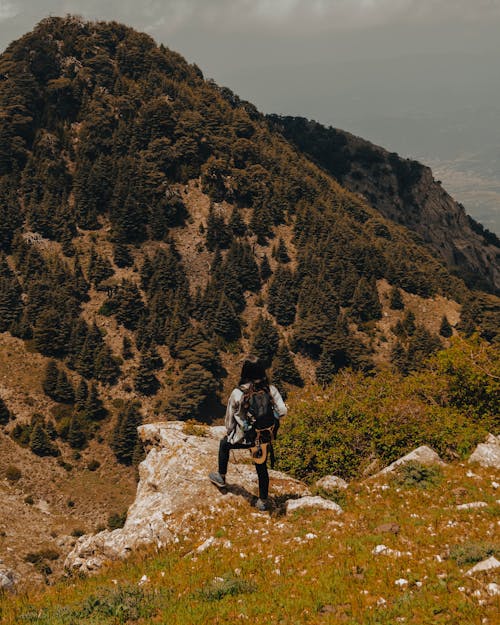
{"x":404,"y":191}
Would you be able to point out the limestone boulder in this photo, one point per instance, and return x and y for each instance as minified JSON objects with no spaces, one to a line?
{"x":487,"y":454}
{"x":490,"y":564}
{"x":173,"y":481}
{"x":331,"y":483}
{"x":312,"y":502}
{"x":423,"y":454}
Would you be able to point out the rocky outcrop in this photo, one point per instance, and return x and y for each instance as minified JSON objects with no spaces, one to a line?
{"x":487,"y":454}
{"x":490,"y":564}
{"x":423,"y":454}
{"x":312,"y":502}
{"x":331,"y":483}
{"x":173,"y":483}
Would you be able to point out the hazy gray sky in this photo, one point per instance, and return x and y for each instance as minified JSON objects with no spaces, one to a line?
{"x":421,"y":77}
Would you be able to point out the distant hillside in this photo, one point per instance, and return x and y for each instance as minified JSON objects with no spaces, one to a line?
{"x":404,"y":191}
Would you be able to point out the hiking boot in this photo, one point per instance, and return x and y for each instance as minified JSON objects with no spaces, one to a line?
{"x":261,"y":504}
{"x":217,"y":479}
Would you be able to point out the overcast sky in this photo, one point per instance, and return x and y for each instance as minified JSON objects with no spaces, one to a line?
{"x":421,"y":77}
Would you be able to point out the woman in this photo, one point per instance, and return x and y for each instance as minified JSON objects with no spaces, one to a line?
{"x":240,"y":434}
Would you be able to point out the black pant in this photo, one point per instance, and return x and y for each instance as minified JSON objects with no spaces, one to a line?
{"x":262,"y":473}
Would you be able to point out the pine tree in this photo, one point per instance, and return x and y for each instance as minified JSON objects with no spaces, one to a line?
{"x":399,"y":357}
{"x":226,"y":323}
{"x":265,"y":340}
{"x":127,"y":352}
{"x":106,"y":368}
{"x":445,"y":329}
{"x":218,"y":234}
{"x":265,"y":269}
{"x":281,"y":253}
{"x":395,"y":299}
{"x":139,"y":453}
{"x":10,"y":299}
{"x":197,"y":388}
{"x":130,"y":307}
{"x":421,"y":345}
{"x":82,"y":392}
{"x":154,"y":359}
{"x":341,"y":350}
{"x":145,"y":381}
{"x":93,"y":409}
{"x":365,"y":301}
{"x":5,"y":414}
{"x":64,"y":392}
{"x":311,"y":332}
{"x":261,"y":223}
{"x":39,"y":440}
{"x":284,"y":368}
{"x":48,"y":333}
{"x":125,"y":433}
{"x":122,"y":256}
{"x":51,"y":375}
{"x":99,"y":268}
{"x":236,"y":224}
{"x":76,"y":434}
{"x":283,"y":296}
{"x":408,"y":323}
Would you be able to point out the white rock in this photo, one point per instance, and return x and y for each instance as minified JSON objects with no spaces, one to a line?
{"x":493,"y":589}
{"x":331,"y":483}
{"x":423,"y":454}
{"x":472,"y":474}
{"x":486,"y":565}
{"x":401,"y":582}
{"x":487,"y":454}
{"x":312,"y":502}
{"x":473,"y":504}
{"x":206,"y":544}
{"x":387,"y":551}
{"x":381,"y":601}
{"x":173,"y":482}
{"x":144,"y":580}
{"x":7,"y":579}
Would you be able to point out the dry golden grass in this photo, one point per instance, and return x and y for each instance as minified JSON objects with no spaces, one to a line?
{"x":310,"y":567}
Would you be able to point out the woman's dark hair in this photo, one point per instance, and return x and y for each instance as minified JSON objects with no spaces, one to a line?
{"x":253,"y":370}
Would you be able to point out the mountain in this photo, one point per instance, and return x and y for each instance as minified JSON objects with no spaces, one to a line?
{"x":153,"y":229}
{"x":404,"y":191}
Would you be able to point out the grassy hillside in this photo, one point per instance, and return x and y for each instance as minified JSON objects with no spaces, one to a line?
{"x":311,"y":567}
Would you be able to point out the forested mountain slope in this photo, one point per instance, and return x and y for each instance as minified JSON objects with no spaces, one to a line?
{"x":153,"y":228}
{"x":402,"y":190}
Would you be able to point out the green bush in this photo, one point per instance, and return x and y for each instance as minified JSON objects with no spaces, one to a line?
{"x":93,"y":465}
{"x":337,"y":429}
{"x":417,"y":474}
{"x":12,"y":473}
{"x":220,"y":588}
{"x":117,"y":520}
{"x":470,"y":553}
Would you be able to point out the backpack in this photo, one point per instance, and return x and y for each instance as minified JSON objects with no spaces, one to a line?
{"x":258,"y":406}
{"x":259,"y":414}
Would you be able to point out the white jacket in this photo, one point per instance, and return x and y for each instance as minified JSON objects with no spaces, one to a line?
{"x":235,"y":414}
